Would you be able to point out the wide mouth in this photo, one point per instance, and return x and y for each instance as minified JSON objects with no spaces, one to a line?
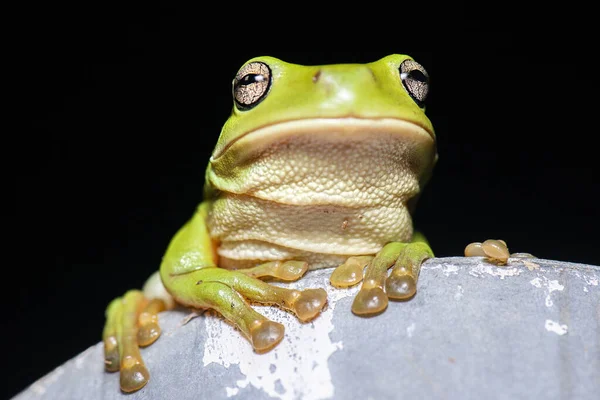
{"x":332,"y":129}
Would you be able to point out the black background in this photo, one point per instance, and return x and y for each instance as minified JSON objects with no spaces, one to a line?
{"x":121,"y":109}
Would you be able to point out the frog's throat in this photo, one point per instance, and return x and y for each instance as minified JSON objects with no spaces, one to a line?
{"x":332,"y":128}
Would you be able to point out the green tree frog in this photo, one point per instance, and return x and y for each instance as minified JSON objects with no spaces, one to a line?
{"x":317,"y":166}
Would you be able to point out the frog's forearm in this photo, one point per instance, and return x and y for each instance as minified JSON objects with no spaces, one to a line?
{"x":306,"y":304}
{"x":189,"y":274}
{"x":262,"y":333}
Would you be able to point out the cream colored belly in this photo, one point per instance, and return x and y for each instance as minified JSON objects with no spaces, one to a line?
{"x":252,"y":230}
{"x":317,"y":196}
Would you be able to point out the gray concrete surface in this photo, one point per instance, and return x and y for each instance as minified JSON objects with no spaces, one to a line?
{"x":528,"y":330}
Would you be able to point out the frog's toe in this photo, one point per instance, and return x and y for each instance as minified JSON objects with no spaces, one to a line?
{"x":350,"y":272}
{"x":308,"y":303}
{"x":290,"y":270}
{"x":265,"y":334}
{"x":522,"y":255}
{"x":148,"y":334}
{"x":111,"y":354}
{"x":134,"y":375}
{"x":369,"y":301}
{"x":400,"y":287}
{"x":149,"y":329}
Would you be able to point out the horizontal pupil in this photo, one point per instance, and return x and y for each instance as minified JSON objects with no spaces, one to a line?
{"x":417,"y":75}
{"x":249,"y":79}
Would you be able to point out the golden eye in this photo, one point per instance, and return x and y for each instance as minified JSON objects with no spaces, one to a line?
{"x":251,"y":84}
{"x":415,"y":80}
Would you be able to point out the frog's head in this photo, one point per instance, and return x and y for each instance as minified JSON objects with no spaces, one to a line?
{"x":278,"y":104}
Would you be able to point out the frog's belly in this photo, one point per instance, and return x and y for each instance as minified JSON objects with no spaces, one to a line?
{"x":318,"y":191}
{"x":253,"y":230}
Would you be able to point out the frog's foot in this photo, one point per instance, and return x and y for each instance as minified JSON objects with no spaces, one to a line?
{"x":494,"y":250}
{"x":131,"y":321}
{"x":224,"y":291}
{"x":281,"y":270}
{"x":404,"y":259}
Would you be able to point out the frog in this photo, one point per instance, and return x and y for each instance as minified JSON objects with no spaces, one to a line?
{"x":318,"y":166}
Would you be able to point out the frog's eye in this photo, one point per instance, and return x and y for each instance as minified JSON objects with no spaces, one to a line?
{"x":415,"y":80}
{"x":251,"y":84}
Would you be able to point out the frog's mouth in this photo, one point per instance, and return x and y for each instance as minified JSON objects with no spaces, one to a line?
{"x":330,"y":130}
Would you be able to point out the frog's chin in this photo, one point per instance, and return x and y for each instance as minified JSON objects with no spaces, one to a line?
{"x":346,"y":162}
{"x":349,"y":130}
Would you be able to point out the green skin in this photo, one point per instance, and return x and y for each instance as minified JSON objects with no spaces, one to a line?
{"x":190,"y":270}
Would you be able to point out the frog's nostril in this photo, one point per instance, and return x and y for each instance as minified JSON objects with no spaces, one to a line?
{"x":316,"y":76}
{"x":373,"y":74}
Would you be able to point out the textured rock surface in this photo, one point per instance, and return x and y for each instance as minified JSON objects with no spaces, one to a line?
{"x":530,"y":329}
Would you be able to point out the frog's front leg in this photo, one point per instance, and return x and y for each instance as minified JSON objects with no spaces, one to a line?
{"x":190,"y":274}
{"x":220,"y":289}
{"x":405,"y":259}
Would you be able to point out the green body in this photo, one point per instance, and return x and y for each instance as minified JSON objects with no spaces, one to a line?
{"x":317,"y":166}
